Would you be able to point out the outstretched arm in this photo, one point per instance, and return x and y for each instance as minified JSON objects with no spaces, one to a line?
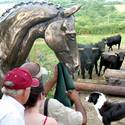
{"x":50,"y":83}
{"x":73,"y":94}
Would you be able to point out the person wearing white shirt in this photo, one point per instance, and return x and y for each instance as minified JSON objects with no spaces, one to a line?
{"x":64,"y":115}
{"x":16,"y":89}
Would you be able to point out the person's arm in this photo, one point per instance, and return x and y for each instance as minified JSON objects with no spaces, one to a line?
{"x":50,"y":84}
{"x":73,"y":95}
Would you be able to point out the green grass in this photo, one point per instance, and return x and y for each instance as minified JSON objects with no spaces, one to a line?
{"x":88,"y":38}
{"x":43,"y":55}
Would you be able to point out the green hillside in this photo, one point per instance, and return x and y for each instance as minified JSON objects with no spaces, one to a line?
{"x":95,"y":16}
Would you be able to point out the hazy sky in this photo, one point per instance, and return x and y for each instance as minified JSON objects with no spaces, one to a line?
{"x":11,"y":3}
{"x":115,"y":0}
{"x":14,"y":1}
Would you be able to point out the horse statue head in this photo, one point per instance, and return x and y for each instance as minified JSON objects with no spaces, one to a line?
{"x":21,"y":25}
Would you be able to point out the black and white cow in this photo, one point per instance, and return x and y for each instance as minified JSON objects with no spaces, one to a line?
{"x":107,"y":111}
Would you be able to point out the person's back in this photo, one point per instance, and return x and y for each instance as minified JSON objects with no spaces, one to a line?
{"x":64,"y":115}
{"x":16,"y":89}
{"x":32,"y":111}
{"x":38,"y":119}
{"x":10,"y":111}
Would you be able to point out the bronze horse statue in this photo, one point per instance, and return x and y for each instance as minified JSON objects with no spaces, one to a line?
{"x":21,"y":25}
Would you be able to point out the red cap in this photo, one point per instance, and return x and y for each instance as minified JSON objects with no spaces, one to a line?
{"x":19,"y":78}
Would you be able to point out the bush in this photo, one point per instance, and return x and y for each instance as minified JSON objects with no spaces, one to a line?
{"x":104,"y":28}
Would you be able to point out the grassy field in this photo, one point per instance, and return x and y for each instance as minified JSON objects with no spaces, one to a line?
{"x":89,"y":38}
{"x":43,"y":55}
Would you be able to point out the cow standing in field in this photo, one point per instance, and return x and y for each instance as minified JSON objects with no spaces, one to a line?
{"x":86,"y":60}
{"x":97,"y":53}
{"x":111,"y":61}
{"x":113,"y":40}
{"x":89,"y":56}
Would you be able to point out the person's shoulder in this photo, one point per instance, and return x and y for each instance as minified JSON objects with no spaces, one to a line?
{"x":54,"y":102}
{"x":5,"y":108}
{"x":55,"y":106}
{"x":64,"y":114}
{"x":51,"y":121}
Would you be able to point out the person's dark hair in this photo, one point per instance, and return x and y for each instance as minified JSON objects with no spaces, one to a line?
{"x":34,"y":94}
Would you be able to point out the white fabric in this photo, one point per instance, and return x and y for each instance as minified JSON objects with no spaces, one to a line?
{"x":11,"y":111}
{"x":43,"y":71}
{"x":63,"y":114}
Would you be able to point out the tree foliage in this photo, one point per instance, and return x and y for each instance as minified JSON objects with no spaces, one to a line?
{"x":95,"y":16}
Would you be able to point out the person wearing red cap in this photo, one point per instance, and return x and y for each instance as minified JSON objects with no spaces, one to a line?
{"x":55,"y":109}
{"x":16,"y":89}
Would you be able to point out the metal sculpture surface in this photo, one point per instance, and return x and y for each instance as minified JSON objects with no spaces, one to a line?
{"x":21,"y":25}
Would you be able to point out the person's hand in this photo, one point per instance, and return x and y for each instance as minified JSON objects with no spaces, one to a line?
{"x":73,"y":95}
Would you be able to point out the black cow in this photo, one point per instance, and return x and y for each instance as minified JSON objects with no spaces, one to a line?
{"x":89,"y":56}
{"x":111,"y":61}
{"x":86,"y":60}
{"x":113,"y":40}
{"x":97,"y":53}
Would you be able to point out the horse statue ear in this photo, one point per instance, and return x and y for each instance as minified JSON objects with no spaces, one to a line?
{"x":70,"y":11}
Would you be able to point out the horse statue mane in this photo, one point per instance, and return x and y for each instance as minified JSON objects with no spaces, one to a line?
{"x":21,"y":25}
